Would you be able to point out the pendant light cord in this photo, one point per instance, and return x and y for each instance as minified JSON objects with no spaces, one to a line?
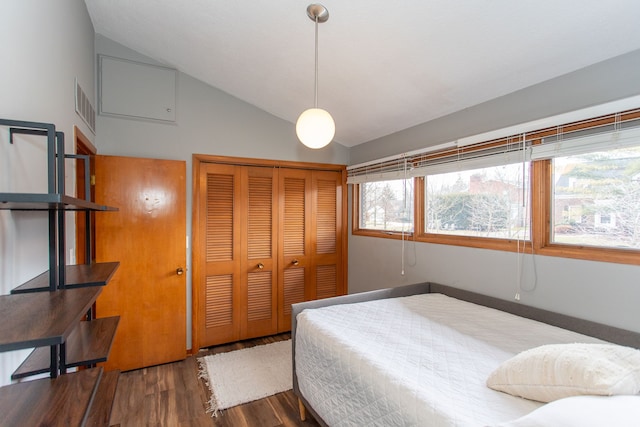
{"x":315,"y":92}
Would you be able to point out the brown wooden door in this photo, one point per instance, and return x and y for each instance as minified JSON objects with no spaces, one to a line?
{"x":295,"y":242}
{"x":219,"y":307}
{"x":237,"y":219}
{"x":259,"y":261}
{"x":326,"y":234}
{"x":310,"y":255}
{"x":266,"y":237}
{"x":148,"y":236}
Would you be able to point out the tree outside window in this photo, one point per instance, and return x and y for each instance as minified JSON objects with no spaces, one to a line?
{"x":596,"y":199}
{"x":387,"y":205}
{"x":485,"y":202}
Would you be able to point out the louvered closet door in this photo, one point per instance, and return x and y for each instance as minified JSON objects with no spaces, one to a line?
{"x":239,"y":222}
{"x":219,"y":302}
{"x":294,"y":242}
{"x":326,"y":235}
{"x":259,"y":277}
{"x":310,"y":238}
{"x":268,"y":237}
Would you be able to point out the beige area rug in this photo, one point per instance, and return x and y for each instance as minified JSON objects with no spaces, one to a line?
{"x":246,"y":375}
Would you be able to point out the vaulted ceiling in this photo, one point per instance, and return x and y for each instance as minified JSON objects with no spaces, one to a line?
{"x":383,"y":66}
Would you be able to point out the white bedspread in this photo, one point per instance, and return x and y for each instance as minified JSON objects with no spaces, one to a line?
{"x":414,"y":361}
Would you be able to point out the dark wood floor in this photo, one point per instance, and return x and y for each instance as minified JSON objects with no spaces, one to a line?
{"x":173,"y":395}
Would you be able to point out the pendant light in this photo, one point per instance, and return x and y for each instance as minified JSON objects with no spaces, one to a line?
{"x":315,"y":127}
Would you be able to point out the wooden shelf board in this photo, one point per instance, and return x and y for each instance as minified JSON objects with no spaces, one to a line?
{"x":100,"y":411}
{"x":36,"y":363}
{"x":76,"y":276}
{"x":89,"y":343}
{"x":63,"y":401}
{"x":47,"y":202}
{"x":42,"y":318}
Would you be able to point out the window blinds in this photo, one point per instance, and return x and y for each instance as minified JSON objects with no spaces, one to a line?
{"x":492,"y":153}
{"x":597,"y":140}
{"x":619,"y":129}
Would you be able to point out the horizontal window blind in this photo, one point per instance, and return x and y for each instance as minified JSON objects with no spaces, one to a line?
{"x":602,"y":138}
{"x":383,"y":171}
{"x":493,"y":153}
{"x":605,"y":132}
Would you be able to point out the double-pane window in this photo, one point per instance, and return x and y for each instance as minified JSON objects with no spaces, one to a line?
{"x":488,"y":202}
{"x":596,"y":199}
{"x":386,"y":205}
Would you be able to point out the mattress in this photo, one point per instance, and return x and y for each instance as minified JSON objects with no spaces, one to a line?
{"x":421,"y":360}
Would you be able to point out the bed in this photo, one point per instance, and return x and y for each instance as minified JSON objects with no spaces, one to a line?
{"x":421,"y":355}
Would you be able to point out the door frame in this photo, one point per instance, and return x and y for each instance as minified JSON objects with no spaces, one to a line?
{"x":196,"y":269}
{"x":83,"y":146}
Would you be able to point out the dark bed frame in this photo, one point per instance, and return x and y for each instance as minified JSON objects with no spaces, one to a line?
{"x":586,"y":327}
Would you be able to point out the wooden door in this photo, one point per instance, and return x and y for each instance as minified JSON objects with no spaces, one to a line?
{"x":295,"y":263}
{"x":259,"y":261}
{"x":326,"y":235}
{"x":148,"y":236}
{"x":311,"y":233}
{"x":237,"y":222}
{"x":267,"y":235}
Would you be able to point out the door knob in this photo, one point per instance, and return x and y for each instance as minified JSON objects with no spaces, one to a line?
{"x":260,"y":265}
{"x":179,"y":271}
{"x":295,"y":262}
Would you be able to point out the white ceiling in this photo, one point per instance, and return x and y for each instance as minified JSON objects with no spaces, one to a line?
{"x":383,"y":66}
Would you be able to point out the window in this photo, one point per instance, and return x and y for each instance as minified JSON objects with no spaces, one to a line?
{"x":386,"y":205}
{"x":596,"y":199}
{"x":488,"y":202}
{"x":571,"y":190}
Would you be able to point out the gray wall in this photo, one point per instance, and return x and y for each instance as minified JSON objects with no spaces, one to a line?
{"x":607,"y":81}
{"x":45,"y":46}
{"x":599,"y":291}
{"x":209,"y":121}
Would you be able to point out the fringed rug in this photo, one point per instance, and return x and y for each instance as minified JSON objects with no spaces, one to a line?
{"x":246,"y":375}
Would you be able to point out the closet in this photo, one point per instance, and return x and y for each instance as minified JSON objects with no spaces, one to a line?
{"x":266,"y":235}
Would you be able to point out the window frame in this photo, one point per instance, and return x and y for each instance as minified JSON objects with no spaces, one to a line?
{"x":541,"y":202}
{"x":542,"y":243}
{"x":355,"y":219}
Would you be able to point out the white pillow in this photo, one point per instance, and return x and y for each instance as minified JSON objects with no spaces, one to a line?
{"x":583,"y":411}
{"x":554,"y":371}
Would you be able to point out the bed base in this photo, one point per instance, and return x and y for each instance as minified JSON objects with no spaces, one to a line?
{"x":586,"y":327}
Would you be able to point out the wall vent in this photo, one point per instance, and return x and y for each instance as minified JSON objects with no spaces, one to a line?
{"x":84,"y":108}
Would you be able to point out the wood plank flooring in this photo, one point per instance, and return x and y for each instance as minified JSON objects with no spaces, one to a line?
{"x":172,"y":395}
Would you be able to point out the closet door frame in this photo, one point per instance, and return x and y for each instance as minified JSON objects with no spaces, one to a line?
{"x":198,"y":160}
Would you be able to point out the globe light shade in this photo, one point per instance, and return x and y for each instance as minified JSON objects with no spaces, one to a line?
{"x":315,"y":128}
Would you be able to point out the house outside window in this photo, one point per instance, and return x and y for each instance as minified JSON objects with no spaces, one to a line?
{"x":596,"y":199}
{"x":489,"y":202}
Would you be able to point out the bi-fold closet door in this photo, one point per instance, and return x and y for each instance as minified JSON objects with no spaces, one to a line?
{"x":272,"y":237}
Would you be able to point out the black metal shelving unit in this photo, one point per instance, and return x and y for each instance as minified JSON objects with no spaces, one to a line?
{"x":53,"y":311}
